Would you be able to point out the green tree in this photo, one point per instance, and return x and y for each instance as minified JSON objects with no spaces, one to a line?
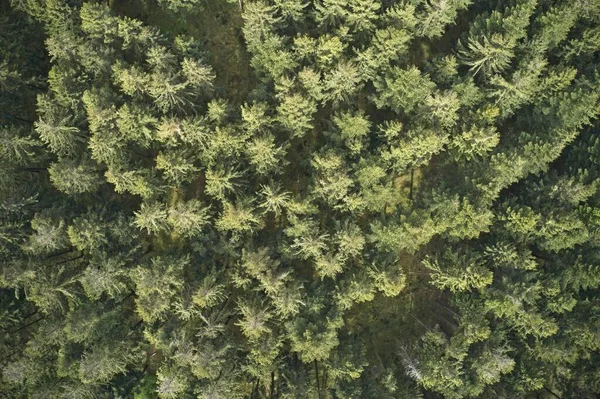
{"x":402,"y":89}
{"x":156,"y":285}
{"x":72,"y":177}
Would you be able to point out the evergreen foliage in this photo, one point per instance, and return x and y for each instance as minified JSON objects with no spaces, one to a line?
{"x":377,"y":199}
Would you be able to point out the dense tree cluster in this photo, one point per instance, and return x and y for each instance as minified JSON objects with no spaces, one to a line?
{"x":405,"y":203}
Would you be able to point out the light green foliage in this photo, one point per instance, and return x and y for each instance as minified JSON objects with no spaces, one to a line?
{"x":210,"y":292}
{"x":55,"y":128}
{"x":152,"y":218}
{"x":443,"y":108}
{"x":356,"y":289}
{"x":342,"y":82}
{"x":104,"y":276}
{"x":218,"y":110}
{"x":87,"y":233}
{"x":446,"y":68}
{"x":132,"y":80}
{"x":16,"y":147}
{"x":102,"y":363}
{"x":523,"y":86}
{"x":238,"y":217}
{"x":333,"y":182}
{"x":177,"y":166}
{"x":459,"y":272}
{"x":264,"y":154}
{"x":362,"y":15}
{"x":390,"y":43}
{"x":402,"y":89}
{"x":259,"y":18}
{"x":136,"y":125}
{"x":305,"y":46}
{"x":138,"y":182}
{"x":86,"y":324}
{"x":52,"y":290}
{"x":170,"y":384}
{"x":437,"y":14}
{"x":219,"y":183}
{"x":292,"y":9}
{"x":408,"y":236}
{"x":169,"y":93}
{"x":311,"y":82}
{"x":170,"y":131}
{"x":389,"y":279}
{"x":271,"y":57}
{"x":295,"y":113}
{"x":328,"y":265}
{"x":402,"y":14}
{"x":414,"y":149}
{"x":274,"y":199}
{"x":556,"y":24}
{"x":310,"y":245}
{"x":182,"y":6}
{"x":314,"y":338}
{"x":156,"y":285}
{"x":488,"y":55}
{"x":255,"y":118}
{"x":260,"y":266}
{"x":526,"y":323}
{"x":98,"y":22}
{"x":358,"y":14}
{"x":463,"y":365}
{"x":350,"y":241}
{"x":474,"y":142}
{"x":328,"y":51}
{"x":353,"y":130}
{"x":197,"y":74}
{"x":587,"y":45}
{"x":49,"y":233}
{"x":72,"y":177}
{"x":188,"y":218}
{"x":254,"y":320}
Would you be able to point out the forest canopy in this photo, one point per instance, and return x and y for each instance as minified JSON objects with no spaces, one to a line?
{"x":300,"y":199}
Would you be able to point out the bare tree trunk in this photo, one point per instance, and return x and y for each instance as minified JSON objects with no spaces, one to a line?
{"x":272,"y":390}
{"x":419,"y":321}
{"x":447,"y":308}
{"x":325,"y":381}
{"x":60,"y":253}
{"x":412,"y":180}
{"x":255,"y":390}
{"x":317,"y":378}
{"x":69,"y":260}
{"x":33,"y":170}
{"x":27,"y":325}
{"x":552,"y":393}
{"x":18,"y":118}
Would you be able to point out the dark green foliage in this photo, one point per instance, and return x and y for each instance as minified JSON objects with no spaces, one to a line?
{"x":315,"y":199}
